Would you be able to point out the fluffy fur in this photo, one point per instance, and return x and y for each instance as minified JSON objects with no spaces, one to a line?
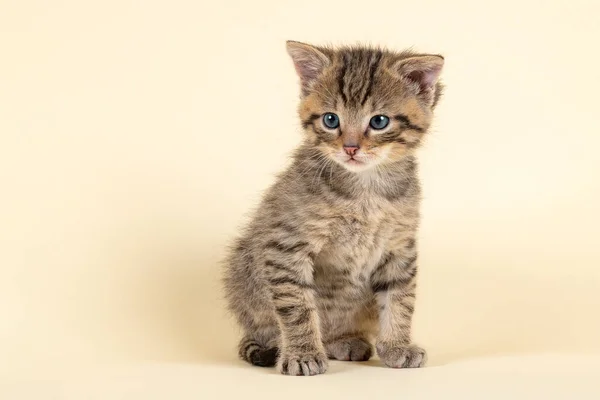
{"x":328,"y":264}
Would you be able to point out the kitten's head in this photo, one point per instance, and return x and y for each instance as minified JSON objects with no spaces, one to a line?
{"x":363,"y":106}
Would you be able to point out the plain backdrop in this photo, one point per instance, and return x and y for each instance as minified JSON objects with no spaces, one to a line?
{"x":135,"y":137}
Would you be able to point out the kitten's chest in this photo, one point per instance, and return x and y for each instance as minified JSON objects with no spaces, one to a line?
{"x":355,"y":245}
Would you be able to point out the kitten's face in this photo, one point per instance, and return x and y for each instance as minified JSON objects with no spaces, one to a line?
{"x":364,"y":107}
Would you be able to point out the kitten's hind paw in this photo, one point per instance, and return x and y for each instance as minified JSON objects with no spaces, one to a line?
{"x":302,"y":364}
{"x":410,"y":356}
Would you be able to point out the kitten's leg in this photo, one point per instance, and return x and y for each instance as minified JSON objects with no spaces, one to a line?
{"x":290,"y":274}
{"x":249,"y":300}
{"x":394,"y":283}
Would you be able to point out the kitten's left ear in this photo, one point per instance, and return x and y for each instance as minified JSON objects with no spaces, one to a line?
{"x":309,"y":62}
{"x":424,"y":71}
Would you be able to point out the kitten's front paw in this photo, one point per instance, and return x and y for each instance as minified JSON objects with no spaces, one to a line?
{"x":302,"y":364}
{"x":404,"y":356}
{"x":350,"y":349}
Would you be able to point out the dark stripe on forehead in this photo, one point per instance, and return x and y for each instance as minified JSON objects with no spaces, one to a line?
{"x":341,"y":75}
{"x":358,"y":73}
{"x":355,"y":75}
{"x":374,"y":63}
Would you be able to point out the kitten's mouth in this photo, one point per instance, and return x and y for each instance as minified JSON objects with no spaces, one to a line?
{"x":354,"y":161}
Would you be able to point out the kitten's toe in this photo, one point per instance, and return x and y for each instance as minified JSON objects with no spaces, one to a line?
{"x":302,"y":364}
{"x":410,"y":356}
{"x":350,"y":349}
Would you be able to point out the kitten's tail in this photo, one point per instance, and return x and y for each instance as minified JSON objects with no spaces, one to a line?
{"x":256,"y":354}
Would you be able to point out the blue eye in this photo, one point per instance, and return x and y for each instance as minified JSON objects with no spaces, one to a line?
{"x":379,"y":122}
{"x":331,"y":120}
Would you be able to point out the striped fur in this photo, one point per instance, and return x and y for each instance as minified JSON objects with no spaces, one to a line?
{"x":328,"y":262}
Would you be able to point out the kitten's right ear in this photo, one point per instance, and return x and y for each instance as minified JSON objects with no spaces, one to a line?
{"x":309,"y":62}
{"x":421,"y":70}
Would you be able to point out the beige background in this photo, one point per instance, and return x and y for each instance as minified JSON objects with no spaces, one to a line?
{"x":135,"y":136}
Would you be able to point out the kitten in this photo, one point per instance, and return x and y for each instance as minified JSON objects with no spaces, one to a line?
{"x":329,"y":261}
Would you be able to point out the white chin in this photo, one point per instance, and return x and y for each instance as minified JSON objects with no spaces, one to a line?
{"x":356,"y":166}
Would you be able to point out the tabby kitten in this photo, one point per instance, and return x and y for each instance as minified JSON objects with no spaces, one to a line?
{"x":329,"y":261}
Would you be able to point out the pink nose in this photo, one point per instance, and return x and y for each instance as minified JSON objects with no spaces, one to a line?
{"x":351,"y":150}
